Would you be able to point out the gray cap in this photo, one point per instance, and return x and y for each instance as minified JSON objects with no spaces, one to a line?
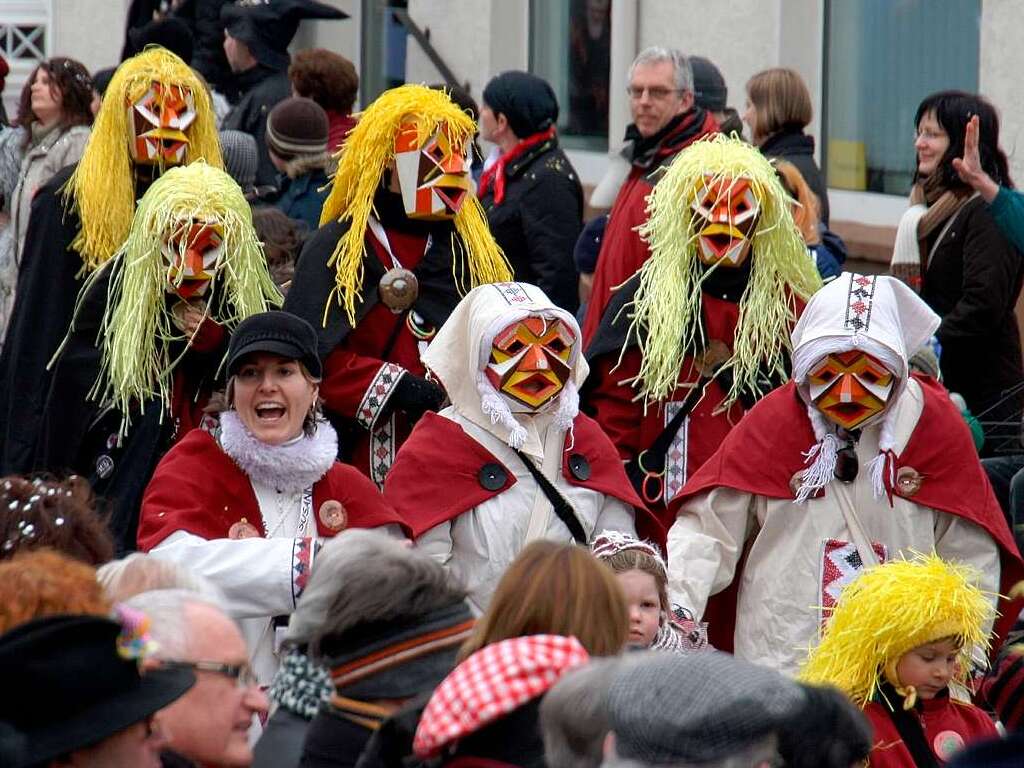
{"x":241,"y":157}
{"x":667,"y":708}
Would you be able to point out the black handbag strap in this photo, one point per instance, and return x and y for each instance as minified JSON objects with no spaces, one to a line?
{"x":654,"y":456}
{"x":562,"y":507}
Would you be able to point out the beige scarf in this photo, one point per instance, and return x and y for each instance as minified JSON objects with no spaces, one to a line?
{"x":931,"y":205}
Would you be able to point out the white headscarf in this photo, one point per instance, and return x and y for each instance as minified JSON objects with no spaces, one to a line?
{"x":876,"y":314}
{"x":459,"y":353}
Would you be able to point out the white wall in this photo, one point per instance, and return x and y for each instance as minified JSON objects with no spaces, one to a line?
{"x":91,"y":31}
{"x":1002,"y":60}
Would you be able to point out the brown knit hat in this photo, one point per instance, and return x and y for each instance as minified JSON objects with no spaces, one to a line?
{"x":297,"y":126}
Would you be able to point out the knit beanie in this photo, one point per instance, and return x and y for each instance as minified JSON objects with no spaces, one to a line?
{"x":588,"y":245}
{"x":709,"y":90}
{"x":527,"y":102}
{"x":297,"y":126}
{"x":240,"y":157}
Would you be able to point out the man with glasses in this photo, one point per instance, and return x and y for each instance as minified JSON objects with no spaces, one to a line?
{"x":665,"y":121}
{"x":208,"y":726}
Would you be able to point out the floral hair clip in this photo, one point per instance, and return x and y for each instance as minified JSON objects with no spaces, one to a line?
{"x":134,"y":642}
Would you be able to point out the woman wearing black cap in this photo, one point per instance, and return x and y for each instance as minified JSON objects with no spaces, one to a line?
{"x":246,"y":505}
{"x":532,"y":194}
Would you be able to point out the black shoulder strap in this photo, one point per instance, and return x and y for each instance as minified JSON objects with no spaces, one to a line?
{"x":909,"y":728}
{"x":562,"y":507}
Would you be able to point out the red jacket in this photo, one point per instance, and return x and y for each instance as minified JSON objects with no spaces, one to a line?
{"x":948,"y":726}
{"x":622,"y":250}
{"x":197,"y":488}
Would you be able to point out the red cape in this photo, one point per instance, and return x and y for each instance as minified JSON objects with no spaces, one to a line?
{"x":198,"y":488}
{"x":940,"y":449}
{"x":430,"y":484}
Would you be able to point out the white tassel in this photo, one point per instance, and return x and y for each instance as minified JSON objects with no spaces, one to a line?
{"x":494,"y":406}
{"x":822,"y":458}
{"x":877,"y":469}
{"x":568,"y":410}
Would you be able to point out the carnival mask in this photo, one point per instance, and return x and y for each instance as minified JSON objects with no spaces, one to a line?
{"x":192,"y":254}
{"x":725,"y":212}
{"x":433,"y":176}
{"x":530,"y":360}
{"x":160,"y":122}
{"x":850,"y":387}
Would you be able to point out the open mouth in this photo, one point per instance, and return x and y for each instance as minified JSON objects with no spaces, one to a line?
{"x":534,"y":388}
{"x":848,"y":413}
{"x":720,"y":242}
{"x":452,"y":197}
{"x":270,"y":412}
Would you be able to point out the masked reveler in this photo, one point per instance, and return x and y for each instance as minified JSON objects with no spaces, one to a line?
{"x":156,"y":114}
{"x":694,"y":338}
{"x":511,"y":459}
{"x":853,"y":462}
{"x":149,"y":335}
{"x":401,"y":239}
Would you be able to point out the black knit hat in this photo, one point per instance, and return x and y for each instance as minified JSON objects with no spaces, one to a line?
{"x":297,"y":126}
{"x":268,"y":26}
{"x":279,"y":333}
{"x":526,"y":101}
{"x":709,"y":90}
{"x":66,"y":686}
{"x":170,"y":33}
{"x":588,"y":245}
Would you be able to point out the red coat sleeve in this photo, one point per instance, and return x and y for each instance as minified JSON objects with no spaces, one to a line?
{"x":356,"y":386}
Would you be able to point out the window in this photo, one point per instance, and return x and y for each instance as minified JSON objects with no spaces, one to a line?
{"x":570,"y":47}
{"x":384,"y":48}
{"x":882,"y":58}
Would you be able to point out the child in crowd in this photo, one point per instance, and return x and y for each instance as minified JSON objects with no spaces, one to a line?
{"x":900,"y":635}
{"x":282,"y":240}
{"x":641,"y":572}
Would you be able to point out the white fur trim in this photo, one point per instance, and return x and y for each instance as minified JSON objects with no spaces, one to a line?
{"x":291,"y":467}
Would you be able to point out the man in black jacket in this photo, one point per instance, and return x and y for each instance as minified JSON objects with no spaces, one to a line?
{"x":256,"y":38}
{"x":532,"y":194}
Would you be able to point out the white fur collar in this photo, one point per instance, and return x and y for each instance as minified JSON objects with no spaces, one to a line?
{"x":291,"y":467}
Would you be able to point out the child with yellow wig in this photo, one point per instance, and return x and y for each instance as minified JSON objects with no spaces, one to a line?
{"x":899,"y":636}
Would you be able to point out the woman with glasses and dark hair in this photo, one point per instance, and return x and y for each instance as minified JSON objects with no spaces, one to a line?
{"x":950,"y":248}
{"x":55,"y":113}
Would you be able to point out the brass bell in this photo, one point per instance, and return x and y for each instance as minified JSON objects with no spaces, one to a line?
{"x":398,"y":289}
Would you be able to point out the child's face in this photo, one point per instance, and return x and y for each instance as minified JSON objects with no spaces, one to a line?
{"x":644,"y":607}
{"x":929,"y":667}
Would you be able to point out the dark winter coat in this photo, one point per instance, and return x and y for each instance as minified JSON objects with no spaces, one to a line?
{"x":261,"y":89}
{"x":973,"y":281}
{"x":208,"y":58}
{"x":302,"y":198}
{"x":280,"y":744}
{"x":798,"y":148}
{"x":539,"y":220}
{"x":332,"y":741}
{"x":43,"y":305}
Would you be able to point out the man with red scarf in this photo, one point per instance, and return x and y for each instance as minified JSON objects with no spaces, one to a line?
{"x":531,"y":193}
{"x":665,"y":121}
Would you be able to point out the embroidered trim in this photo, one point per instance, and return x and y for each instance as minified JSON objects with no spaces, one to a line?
{"x":382,"y":450}
{"x":377,"y":394}
{"x":302,"y":562}
{"x":513,"y":293}
{"x":840,"y":564}
{"x":858,"y":303}
{"x":675,"y":457}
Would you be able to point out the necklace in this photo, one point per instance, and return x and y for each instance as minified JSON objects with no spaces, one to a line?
{"x":281,"y":508}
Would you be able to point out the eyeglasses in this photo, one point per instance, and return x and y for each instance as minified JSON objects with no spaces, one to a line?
{"x":930,"y":135}
{"x":657,"y":93}
{"x":242,"y":674}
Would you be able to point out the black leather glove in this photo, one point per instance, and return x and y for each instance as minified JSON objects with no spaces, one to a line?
{"x":414,"y":396}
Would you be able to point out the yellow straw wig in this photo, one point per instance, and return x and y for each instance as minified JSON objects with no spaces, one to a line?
{"x":137,"y":328}
{"x":891,"y":609}
{"x":366,"y":153}
{"x":103,"y":185}
{"x":666,"y":311}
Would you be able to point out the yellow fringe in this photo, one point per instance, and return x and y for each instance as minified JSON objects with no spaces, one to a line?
{"x":103,"y":185}
{"x":362,"y":160}
{"x":666,"y":311}
{"x":891,"y":609}
{"x":137,"y":329}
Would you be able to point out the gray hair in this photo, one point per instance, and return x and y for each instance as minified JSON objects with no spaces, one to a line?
{"x":680,"y":64}
{"x":574,"y":715}
{"x":760,"y":753}
{"x":362,"y":576}
{"x":170,"y":626}
{"x":138,"y":572}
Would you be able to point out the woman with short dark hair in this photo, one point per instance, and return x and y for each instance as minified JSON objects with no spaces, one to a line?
{"x":950,"y":249}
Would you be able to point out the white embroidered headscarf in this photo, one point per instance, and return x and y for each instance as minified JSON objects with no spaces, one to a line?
{"x":459,"y":353}
{"x":876,"y":314}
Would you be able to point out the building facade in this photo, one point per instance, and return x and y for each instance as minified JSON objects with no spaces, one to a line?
{"x":867,"y":63}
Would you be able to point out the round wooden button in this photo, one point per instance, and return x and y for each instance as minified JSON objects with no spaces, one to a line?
{"x":243,"y":529}
{"x":333,"y":516}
